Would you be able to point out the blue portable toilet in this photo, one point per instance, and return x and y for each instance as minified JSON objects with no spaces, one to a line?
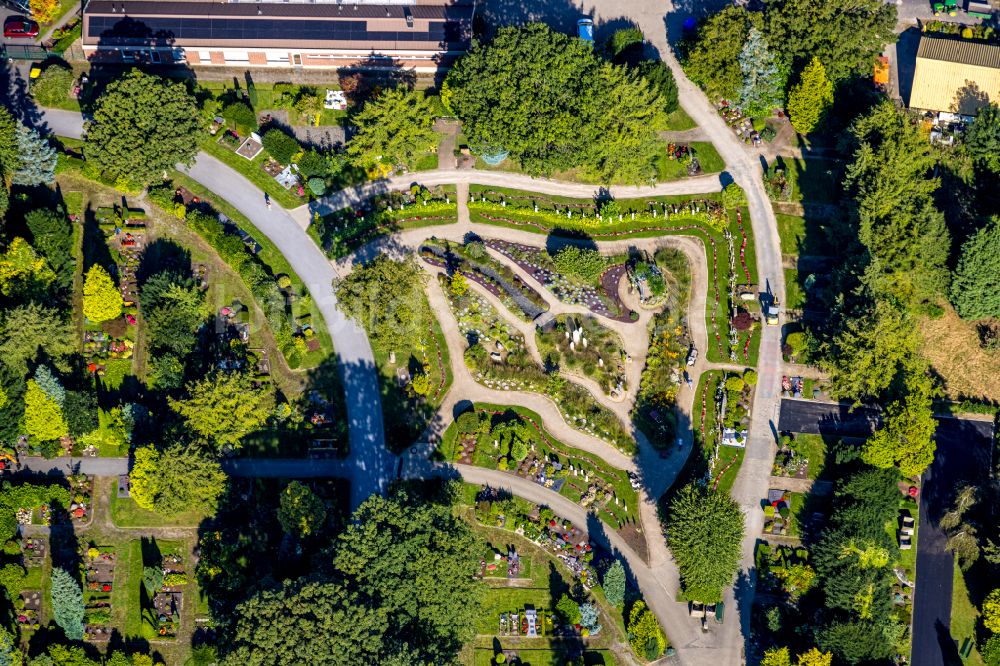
{"x":585,"y":29}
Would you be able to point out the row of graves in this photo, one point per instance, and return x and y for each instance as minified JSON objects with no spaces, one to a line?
{"x":99,"y":582}
{"x":28,"y":607}
{"x":527,"y":622}
{"x":125,"y":231}
{"x":167,"y":601}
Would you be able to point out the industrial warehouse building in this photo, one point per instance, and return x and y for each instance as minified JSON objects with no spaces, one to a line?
{"x":957,"y":76}
{"x":419,"y":34}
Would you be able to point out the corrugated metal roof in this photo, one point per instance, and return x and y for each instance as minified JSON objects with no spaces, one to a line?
{"x":941,"y":85}
{"x":961,"y":51}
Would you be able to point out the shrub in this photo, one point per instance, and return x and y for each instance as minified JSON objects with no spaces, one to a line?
{"x":468,"y":421}
{"x":284,"y":281}
{"x":312,"y":164}
{"x":568,"y":609}
{"x":101,"y":298}
{"x":53,"y":87}
{"x":241,"y":116}
{"x":733,"y":196}
{"x":280,"y":146}
{"x":317,"y":186}
{"x":991,"y":611}
{"x":584,"y":263}
{"x":797,"y":342}
{"x":735,"y":384}
{"x":750,"y":377}
{"x":519,"y":450}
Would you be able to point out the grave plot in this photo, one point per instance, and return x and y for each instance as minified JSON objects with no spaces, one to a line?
{"x":29,"y":612}
{"x":99,"y":568}
{"x":81,"y":489}
{"x":164,"y":580}
{"x":581,"y":345}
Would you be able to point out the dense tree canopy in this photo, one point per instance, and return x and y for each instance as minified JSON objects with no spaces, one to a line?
{"x":905,"y":440}
{"x":712,"y":59}
{"x":142,"y":126}
{"x":890,"y":183}
{"x":845,"y":35}
{"x":384,"y":297}
{"x":27,"y":330}
{"x":982,"y":139}
{"x":393,"y":128}
{"x":391,"y":596}
{"x":705,"y":532}
{"x":548,"y":101}
{"x":301,"y":512}
{"x":975,"y":285}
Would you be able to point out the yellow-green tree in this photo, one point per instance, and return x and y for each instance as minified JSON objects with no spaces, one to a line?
{"x":991,"y":611}
{"x":644,"y":632}
{"x":22,"y":270}
{"x":43,"y":11}
{"x":776,"y":657}
{"x":810,"y":98}
{"x":101,"y":299}
{"x":815,"y":658}
{"x":224,"y":407}
{"x":142,"y":478}
{"x":43,"y":418}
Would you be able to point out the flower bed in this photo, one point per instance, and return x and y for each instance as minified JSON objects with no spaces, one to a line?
{"x":475,"y":264}
{"x":568,"y":289}
{"x":661,"y":378}
{"x":346,"y":230}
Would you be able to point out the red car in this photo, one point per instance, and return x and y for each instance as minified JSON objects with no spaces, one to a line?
{"x":18,"y":26}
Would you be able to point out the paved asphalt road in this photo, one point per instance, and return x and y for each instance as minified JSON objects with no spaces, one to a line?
{"x":961,"y":456}
{"x":816,"y":417}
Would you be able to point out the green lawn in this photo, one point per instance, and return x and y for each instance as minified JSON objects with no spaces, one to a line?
{"x":133,"y":614}
{"x":792,"y":231}
{"x":126,"y":513}
{"x":730,"y":460}
{"x":252,"y":170}
{"x":795,"y":296}
{"x":964,"y":616}
{"x":679,"y":120}
{"x":503,"y":600}
{"x":708,"y":157}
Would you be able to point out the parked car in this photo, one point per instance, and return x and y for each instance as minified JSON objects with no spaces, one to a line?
{"x":22,"y":6}
{"x":19,"y":26}
{"x":692,"y":356}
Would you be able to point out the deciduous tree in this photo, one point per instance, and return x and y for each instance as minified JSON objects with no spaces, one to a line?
{"x":776,"y":657}
{"x":52,"y":236}
{"x":179,"y":479}
{"x":224,"y":407}
{"x":44,"y":11}
{"x":991,"y":611}
{"x":394,"y":129}
{"x":385,"y":297}
{"x":712,"y":60}
{"x":810,"y":98}
{"x":23,"y":273}
{"x":815,"y":658}
{"x":67,"y":603}
{"x":704,"y":531}
{"x":143,"y":126}
{"x":906,"y":438}
{"x":301,"y":512}
{"x":101,"y":299}
{"x":845,"y":35}
{"x":975,"y":284}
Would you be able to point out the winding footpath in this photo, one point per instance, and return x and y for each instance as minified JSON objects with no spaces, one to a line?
{"x":370,"y":466}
